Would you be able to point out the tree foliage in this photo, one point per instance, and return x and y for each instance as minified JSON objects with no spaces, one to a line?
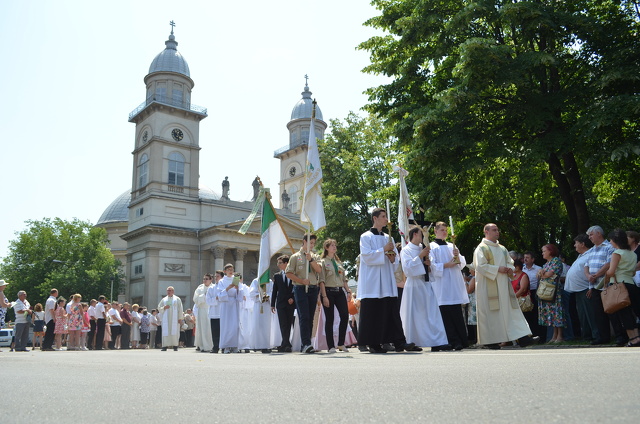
{"x":521,"y":112}
{"x":71,"y":256}
{"x":357,"y":159}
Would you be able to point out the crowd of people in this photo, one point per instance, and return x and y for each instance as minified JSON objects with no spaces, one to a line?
{"x":424,"y":294}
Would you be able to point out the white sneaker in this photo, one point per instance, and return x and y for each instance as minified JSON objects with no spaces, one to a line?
{"x":343,"y":349}
{"x":332,"y":350}
{"x":307,"y":349}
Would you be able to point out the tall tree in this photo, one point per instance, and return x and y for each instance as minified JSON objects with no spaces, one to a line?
{"x":484,"y":83}
{"x":71,"y":256}
{"x":357,"y":159}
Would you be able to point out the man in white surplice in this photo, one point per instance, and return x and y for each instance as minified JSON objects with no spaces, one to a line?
{"x":261,"y":317}
{"x":203,"y":326}
{"x":499,"y":316}
{"x":171,"y":316}
{"x":449,"y":286}
{"x":419,"y":311}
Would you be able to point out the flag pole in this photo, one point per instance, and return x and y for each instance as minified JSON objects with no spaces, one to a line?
{"x":268,"y":199}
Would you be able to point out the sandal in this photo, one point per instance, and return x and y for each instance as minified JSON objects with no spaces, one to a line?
{"x":636,"y":344}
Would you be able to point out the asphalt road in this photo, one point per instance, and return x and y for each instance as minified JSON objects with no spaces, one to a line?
{"x":574,"y":385}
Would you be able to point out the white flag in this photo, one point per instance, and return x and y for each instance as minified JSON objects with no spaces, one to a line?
{"x":405,"y":213}
{"x":312,"y":207}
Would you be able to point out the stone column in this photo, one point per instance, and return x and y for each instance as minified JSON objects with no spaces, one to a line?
{"x":152,"y":263}
{"x":218,"y":254}
{"x":239,"y":265}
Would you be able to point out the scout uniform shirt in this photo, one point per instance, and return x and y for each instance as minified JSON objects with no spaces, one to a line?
{"x":299,"y":265}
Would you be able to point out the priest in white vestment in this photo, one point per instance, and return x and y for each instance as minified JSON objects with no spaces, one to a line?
{"x":380,"y":321}
{"x":171,"y":316}
{"x":203,"y":325}
{"x":421,"y":319}
{"x":498,"y":313}
{"x":261,"y":317}
{"x":449,"y":286}
{"x":230,"y":298}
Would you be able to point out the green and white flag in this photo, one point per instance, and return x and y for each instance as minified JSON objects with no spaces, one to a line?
{"x":273,"y":239}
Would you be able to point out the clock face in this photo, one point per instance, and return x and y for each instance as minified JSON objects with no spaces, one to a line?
{"x":145,"y":136}
{"x":292,"y":171}
{"x":177,"y":134}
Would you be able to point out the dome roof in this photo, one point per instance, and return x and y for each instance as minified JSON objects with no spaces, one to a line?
{"x":170,"y":60}
{"x":303,"y":109}
{"x":118,"y":210}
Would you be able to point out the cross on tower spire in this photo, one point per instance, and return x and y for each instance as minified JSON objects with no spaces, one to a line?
{"x":172,"y":25}
{"x":306,"y":80}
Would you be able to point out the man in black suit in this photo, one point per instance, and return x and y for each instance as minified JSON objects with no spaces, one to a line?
{"x":282,"y":301}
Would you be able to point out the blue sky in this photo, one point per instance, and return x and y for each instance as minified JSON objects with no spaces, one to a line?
{"x":73,"y":70}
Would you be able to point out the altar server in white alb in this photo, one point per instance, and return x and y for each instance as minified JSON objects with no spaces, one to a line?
{"x":214,"y":311}
{"x":421,"y":319}
{"x":171,"y":316}
{"x":499,"y":316}
{"x":380,"y":321}
{"x":229,"y":297}
{"x":449,"y":286}
{"x":262,"y":316}
{"x":203,"y":340}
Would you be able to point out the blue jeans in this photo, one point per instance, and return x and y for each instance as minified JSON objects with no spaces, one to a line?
{"x":306,"y":305}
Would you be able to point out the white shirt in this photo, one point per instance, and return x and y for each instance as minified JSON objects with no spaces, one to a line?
{"x":115,"y":315}
{"x":19,"y":306}
{"x":576,"y":280}
{"x":92,"y":312}
{"x":99,"y":311}
{"x":532,"y":273}
{"x":49,"y":308}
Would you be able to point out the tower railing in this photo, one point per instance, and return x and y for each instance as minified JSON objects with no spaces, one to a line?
{"x":289,"y":146}
{"x":170,"y":102}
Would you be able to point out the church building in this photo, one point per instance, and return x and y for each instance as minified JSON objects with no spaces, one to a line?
{"x":166,"y":229}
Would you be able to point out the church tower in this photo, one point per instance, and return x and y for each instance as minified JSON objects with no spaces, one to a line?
{"x":166,"y":153}
{"x":293,"y":156}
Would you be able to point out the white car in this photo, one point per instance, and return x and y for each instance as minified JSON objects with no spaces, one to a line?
{"x":6,"y":334}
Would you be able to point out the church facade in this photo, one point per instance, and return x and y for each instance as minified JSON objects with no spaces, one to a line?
{"x":167,"y":230}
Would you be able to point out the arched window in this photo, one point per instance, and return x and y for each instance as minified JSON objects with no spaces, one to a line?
{"x":176,"y":169}
{"x":293,"y":195}
{"x":143,"y":170}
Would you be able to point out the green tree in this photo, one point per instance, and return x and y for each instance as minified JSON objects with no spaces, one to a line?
{"x":71,"y":256}
{"x":357,"y":159}
{"x":488,"y":94}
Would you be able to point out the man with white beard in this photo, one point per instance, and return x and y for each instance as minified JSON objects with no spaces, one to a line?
{"x":203,"y":340}
{"x":172,"y":315}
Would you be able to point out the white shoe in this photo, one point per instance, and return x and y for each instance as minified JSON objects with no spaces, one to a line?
{"x":343,"y":349}
{"x":332,"y":350}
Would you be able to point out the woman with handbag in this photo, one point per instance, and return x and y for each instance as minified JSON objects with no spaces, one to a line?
{"x":621,"y":270}
{"x":550,"y":312}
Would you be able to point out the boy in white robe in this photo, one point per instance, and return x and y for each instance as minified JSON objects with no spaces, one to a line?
{"x":171,"y":317}
{"x":203,"y":325}
{"x":421,"y":319}
{"x":261,"y":316}
{"x":229,"y":297}
{"x":449,"y":286}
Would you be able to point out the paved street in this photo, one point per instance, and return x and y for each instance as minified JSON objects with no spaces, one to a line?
{"x":511,"y":385}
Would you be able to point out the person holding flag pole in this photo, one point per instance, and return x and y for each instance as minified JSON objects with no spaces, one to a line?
{"x":303,"y":268}
{"x":273,"y":238}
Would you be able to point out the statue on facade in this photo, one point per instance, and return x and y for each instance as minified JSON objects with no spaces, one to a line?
{"x":256,"y":188}
{"x":225,"y":188}
{"x":285,"y":199}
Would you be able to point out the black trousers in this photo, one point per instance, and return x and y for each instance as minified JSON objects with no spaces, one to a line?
{"x":532,"y":318}
{"x":49,"y":336}
{"x":380,"y":322}
{"x":116,"y":330}
{"x":215,"y":333}
{"x":125,"y":336}
{"x":286,"y":320}
{"x":100,"y":323}
{"x":454,"y":325}
{"x":159,"y":336}
{"x":602,"y":319}
{"x":337,"y":298}
{"x":91,"y":335}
